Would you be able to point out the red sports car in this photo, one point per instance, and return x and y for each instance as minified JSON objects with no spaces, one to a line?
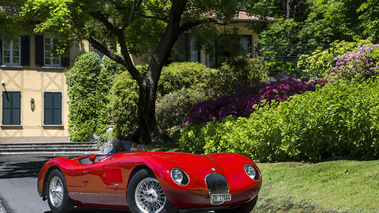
{"x":130,"y":178}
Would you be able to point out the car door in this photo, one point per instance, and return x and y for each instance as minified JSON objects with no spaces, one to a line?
{"x":105,"y":185}
{"x":83,"y":180}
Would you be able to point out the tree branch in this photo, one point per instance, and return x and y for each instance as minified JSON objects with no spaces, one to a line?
{"x":105,"y":51}
{"x":127,"y":59}
{"x":136,"y":6}
{"x":100,"y":17}
{"x":186,"y":26}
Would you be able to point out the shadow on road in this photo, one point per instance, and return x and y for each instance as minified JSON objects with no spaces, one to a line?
{"x":21,"y":167}
{"x":20,"y":170}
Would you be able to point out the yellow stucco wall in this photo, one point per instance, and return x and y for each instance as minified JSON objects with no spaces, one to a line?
{"x":32,"y":81}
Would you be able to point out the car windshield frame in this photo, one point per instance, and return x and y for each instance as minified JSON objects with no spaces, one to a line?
{"x":126,"y":146}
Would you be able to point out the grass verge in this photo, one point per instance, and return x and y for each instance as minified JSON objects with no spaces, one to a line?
{"x":335,"y":186}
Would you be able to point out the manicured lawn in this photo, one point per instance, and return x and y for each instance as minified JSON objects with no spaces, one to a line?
{"x":335,"y":186}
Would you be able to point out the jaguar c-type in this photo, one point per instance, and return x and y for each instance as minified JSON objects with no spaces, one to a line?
{"x":133,"y":179}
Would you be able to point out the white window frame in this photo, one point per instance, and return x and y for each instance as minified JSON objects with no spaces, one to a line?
{"x":245,"y":43}
{"x":11,"y":49}
{"x":50,"y":56}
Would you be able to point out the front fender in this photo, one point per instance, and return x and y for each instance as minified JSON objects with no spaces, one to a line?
{"x":195,"y":194}
{"x":59,"y":163}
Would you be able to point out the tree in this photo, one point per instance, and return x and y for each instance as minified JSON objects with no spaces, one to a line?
{"x":144,"y":28}
{"x":369,"y":11}
{"x":316,"y":21}
{"x":8,"y":25}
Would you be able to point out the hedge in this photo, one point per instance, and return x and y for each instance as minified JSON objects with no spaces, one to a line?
{"x":339,"y":121}
{"x":88,"y":86}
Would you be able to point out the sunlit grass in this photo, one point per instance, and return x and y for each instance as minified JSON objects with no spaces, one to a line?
{"x":335,"y":186}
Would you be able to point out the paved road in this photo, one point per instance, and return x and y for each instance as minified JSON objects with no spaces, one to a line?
{"x":18,"y":185}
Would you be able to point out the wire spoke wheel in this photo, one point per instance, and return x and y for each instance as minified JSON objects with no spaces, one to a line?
{"x":57,"y":193}
{"x":56,"y":190}
{"x":149,"y":196}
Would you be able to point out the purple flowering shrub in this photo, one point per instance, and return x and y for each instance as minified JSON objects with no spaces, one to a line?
{"x":241,"y":104}
{"x":362,"y":62}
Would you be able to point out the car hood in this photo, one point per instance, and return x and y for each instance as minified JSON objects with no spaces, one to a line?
{"x":185,"y":160}
{"x":228,"y":164}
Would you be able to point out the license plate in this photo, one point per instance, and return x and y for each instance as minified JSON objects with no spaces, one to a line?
{"x":220,"y":198}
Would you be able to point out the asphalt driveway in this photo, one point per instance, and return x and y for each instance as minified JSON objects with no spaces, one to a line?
{"x":18,"y":185}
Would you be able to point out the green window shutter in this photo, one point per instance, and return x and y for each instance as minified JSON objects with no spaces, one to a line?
{"x":65,"y":61}
{"x":25,"y":50}
{"x":53,"y":108}
{"x":7,"y":109}
{"x":57,"y":108}
{"x":11,"y":108}
{"x":39,"y":51}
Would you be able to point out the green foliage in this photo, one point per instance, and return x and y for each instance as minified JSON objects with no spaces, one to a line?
{"x":314,"y":21}
{"x":171,"y":109}
{"x":103,"y":138}
{"x":338,"y":121}
{"x":184,"y":75}
{"x":142,"y":24}
{"x":9,"y":26}
{"x":319,"y":64}
{"x":181,"y":85}
{"x":122,"y":105}
{"x":88,"y":83}
{"x":369,"y":11}
{"x":240,"y":72}
{"x":284,"y":31}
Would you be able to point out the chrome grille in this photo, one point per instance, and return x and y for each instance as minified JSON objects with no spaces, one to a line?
{"x":217,"y":184}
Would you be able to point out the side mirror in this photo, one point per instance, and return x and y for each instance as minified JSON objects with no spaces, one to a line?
{"x":92,"y":158}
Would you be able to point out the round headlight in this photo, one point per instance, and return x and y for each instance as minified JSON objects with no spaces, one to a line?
{"x":179,"y":176}
{"x":252,"y":172}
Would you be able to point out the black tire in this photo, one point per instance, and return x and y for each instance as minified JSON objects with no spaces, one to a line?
{"x":57,"y":195}
{"x":244,"y":208}
{"x":154,"y":202}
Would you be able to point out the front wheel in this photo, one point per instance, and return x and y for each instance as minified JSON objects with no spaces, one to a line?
{"x":145,"y":195}
{"x":244,"y":208}
{"x":57,"y":195}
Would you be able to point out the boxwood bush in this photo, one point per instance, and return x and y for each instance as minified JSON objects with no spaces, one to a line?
{"x":177,"y":76}
{"x":172,"y":109}
{"x":238,"y":74}
{"x":339,"y":121}
{"x":122,"y":106}
{"x":88,"y":86}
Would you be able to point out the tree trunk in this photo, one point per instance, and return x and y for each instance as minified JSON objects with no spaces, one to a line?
{"x":287,"y":7}
{"x":146,"y":130}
